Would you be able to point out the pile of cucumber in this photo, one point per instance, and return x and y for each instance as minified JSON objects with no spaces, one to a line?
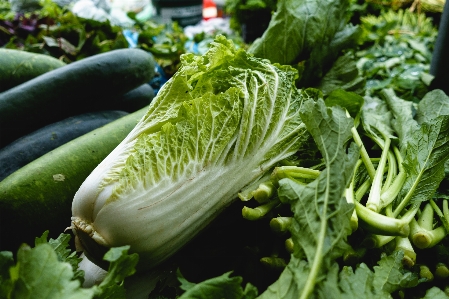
{"x":57,"y":123}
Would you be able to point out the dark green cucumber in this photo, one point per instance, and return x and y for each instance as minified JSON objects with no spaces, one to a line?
{"x":17,"y":67}
{"x":85,"y":85}
{"x":135,"y":99}
{"x":38,"y":196}
{"x":33,"y":145}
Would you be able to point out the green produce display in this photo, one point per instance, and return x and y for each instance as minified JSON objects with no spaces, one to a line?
{"x":38,"y":196}
{"x":17,"y":67}
{"x":86,"y":85}
{"x":310,"y":163}
{"x":33,"y":145}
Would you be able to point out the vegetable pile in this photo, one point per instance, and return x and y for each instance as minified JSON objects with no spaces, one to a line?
{"x":310,"y":164}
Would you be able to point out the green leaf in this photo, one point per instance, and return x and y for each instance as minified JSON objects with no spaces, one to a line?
{"x":376,"y":118}
{"x":309,"y":30}
{"x":359,"y":283}
{"x":121,"y":265}
{"x":6,"y":262}
{"x":343,"y":74}
{"x":321,"y":214}
{"x":390,"y":274}
{"x":426,"y":153}
{"x":346,"y":99}
{"x":435,"y":293}
{"x":403,"y":121}
{"x":432,"y":105}
{"x":64,"y":252}
{"x":39,"y":274}
{"x":223,"y":286}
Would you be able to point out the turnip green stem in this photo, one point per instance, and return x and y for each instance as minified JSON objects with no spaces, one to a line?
{"x":376,"y":241}
{"x":424,"y":272}
{"x":260,"y":211}
{"x":299,"y":174}
{"x":281,"y":224}
{"x":444,"y":216}
{"x":353,"y":256}
{"x":373,"y":202}
{"x":404,"y":244}
{"x":363,"y":152}
{"x":423,"y":238}
{"x":264,"y":192}
{"x":275,"y":263}
{"x":425,"y":219}
{"x":349,"y":193}
{"x":381,"y":224}
{"x":441,"y":271}
{"x":389,"y":195}
{"x":392,"y":170}
{"x":289,"y":245}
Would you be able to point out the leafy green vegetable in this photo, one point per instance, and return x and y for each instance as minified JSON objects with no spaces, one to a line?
{"x":221,"y":122}
{"x":321,"y":214}
{"x":50,"y":270}
{"x":395,"y":52}
{"x":223,"y":286}
{"x":343,"y":75}
{"x":310,"y":31}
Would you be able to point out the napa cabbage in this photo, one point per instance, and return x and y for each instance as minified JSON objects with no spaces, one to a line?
{"x":220,"y":123}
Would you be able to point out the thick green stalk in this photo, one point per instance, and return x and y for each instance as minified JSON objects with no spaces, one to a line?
{"x":389,"y":194}
{"x":281,"y":224}
{"x":349,"y":194}
{"x":376,"y":241}
{"x":381,"y":224}
{"x":423,"y":238}
{"x":441,"y":271}
{"x":392,"y":170}
{"x":299,"y":174}
{"x":404,"y":244}
{"x":264,"y":192}
{"x":260,"y":211}
{"x":373,"y":203}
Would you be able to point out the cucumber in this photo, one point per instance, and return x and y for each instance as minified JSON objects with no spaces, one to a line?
{"x":38,"y":196}
{"x":33,"y":145}
{"x":17,"y":67}
{"x":85,"y":85}
{"x":137,"y":98}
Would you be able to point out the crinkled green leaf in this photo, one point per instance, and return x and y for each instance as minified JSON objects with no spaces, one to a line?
{"x":306,"y":30}
{"x":426,"y":153}
{"x":403,"y":112}
{"x":390,"y":274}
{"x":321,"y":213}
{"x":6,"y":262}
{"x":435,"y":293}
{"x":359,"y":283}
{"x":223,"y":286}
{"x":39,"y":274}
{"x":343,"y":74}
{"x":432,"y":105}
{"x":350,"y":101}
{"x":121,"y":265}
{"x":62,"y":249}
{"x":376,"y":118}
